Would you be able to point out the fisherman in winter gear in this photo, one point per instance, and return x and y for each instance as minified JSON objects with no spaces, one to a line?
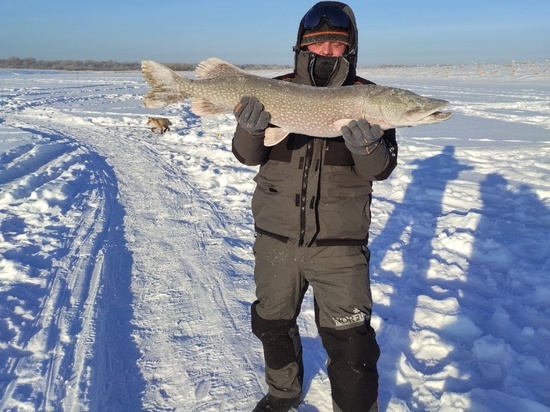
{"x":311,"y":210}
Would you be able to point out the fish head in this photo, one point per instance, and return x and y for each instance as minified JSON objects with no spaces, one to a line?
{"x":403,"y":108}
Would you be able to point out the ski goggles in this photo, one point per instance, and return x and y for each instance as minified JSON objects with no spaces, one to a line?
{"x":334,"y":16}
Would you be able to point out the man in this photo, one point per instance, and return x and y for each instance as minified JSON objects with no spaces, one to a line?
{"x":311,"y":210}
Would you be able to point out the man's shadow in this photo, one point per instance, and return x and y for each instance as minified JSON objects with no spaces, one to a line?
{"x":409,"y":232}
{"x":511,"y":259}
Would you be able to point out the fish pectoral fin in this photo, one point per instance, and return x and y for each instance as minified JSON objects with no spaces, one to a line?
{"x":338,"y":124}
{"x":274,"y":135}
{"x":204,"y":107}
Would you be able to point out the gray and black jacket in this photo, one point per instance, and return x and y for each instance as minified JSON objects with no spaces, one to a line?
{"x":314,"y":191}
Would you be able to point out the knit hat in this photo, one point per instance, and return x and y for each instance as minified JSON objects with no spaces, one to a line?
{"x":322,"y":34}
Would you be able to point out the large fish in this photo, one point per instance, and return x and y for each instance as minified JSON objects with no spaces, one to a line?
{"x":294,"y":108}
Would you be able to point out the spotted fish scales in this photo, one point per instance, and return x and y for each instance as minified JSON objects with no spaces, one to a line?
{"x":294,"y":108}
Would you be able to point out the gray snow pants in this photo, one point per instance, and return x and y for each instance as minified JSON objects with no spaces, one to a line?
{"x":339,"y":276}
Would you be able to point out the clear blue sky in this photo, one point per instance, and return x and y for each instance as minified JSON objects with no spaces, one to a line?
{"x":390,"y":31}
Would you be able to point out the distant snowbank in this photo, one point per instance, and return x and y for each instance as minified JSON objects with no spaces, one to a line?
{"x":475,"y":71}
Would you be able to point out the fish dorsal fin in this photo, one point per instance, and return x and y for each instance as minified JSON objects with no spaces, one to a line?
{"x":214,"y":67}
{"x":203,"y":107}
{"x":274,"y":135}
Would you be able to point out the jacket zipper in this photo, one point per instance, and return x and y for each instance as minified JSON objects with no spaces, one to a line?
{"x":303,"y":194}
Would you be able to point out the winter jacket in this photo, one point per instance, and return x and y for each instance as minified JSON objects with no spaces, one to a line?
{"x":314,"y":191}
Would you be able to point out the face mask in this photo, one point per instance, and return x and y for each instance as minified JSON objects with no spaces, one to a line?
{"x":324,"y":69}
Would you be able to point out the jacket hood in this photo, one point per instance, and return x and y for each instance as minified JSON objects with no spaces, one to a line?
{"x":303,"y":58}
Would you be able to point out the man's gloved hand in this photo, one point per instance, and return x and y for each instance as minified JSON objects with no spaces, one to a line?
{"x":252,"y":116}
{"x":361,"y":138}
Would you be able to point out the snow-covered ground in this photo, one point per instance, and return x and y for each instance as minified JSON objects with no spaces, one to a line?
{"x":126,"y":263}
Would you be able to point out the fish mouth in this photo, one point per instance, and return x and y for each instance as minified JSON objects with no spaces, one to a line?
{"x":439,"y":116}
{"x":435,"y":115}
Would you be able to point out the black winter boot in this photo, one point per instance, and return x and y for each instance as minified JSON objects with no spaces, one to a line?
{"x":270,"y":403}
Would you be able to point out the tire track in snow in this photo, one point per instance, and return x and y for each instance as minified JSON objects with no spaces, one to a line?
{"x":181,"y":278}
{"x":49,"y":174}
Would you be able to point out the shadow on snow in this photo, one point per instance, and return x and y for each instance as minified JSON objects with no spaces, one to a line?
{"x":500,"y":301}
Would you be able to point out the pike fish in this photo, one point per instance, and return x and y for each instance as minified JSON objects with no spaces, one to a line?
{"x":294,"y":108}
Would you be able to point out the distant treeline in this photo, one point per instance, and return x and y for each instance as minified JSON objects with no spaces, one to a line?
{"x":108,"y":65}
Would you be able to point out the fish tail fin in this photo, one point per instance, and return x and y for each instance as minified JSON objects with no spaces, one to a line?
{"x":166,"y":85}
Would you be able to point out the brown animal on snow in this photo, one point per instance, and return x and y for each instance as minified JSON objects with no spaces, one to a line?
{"x":161,"y":123}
